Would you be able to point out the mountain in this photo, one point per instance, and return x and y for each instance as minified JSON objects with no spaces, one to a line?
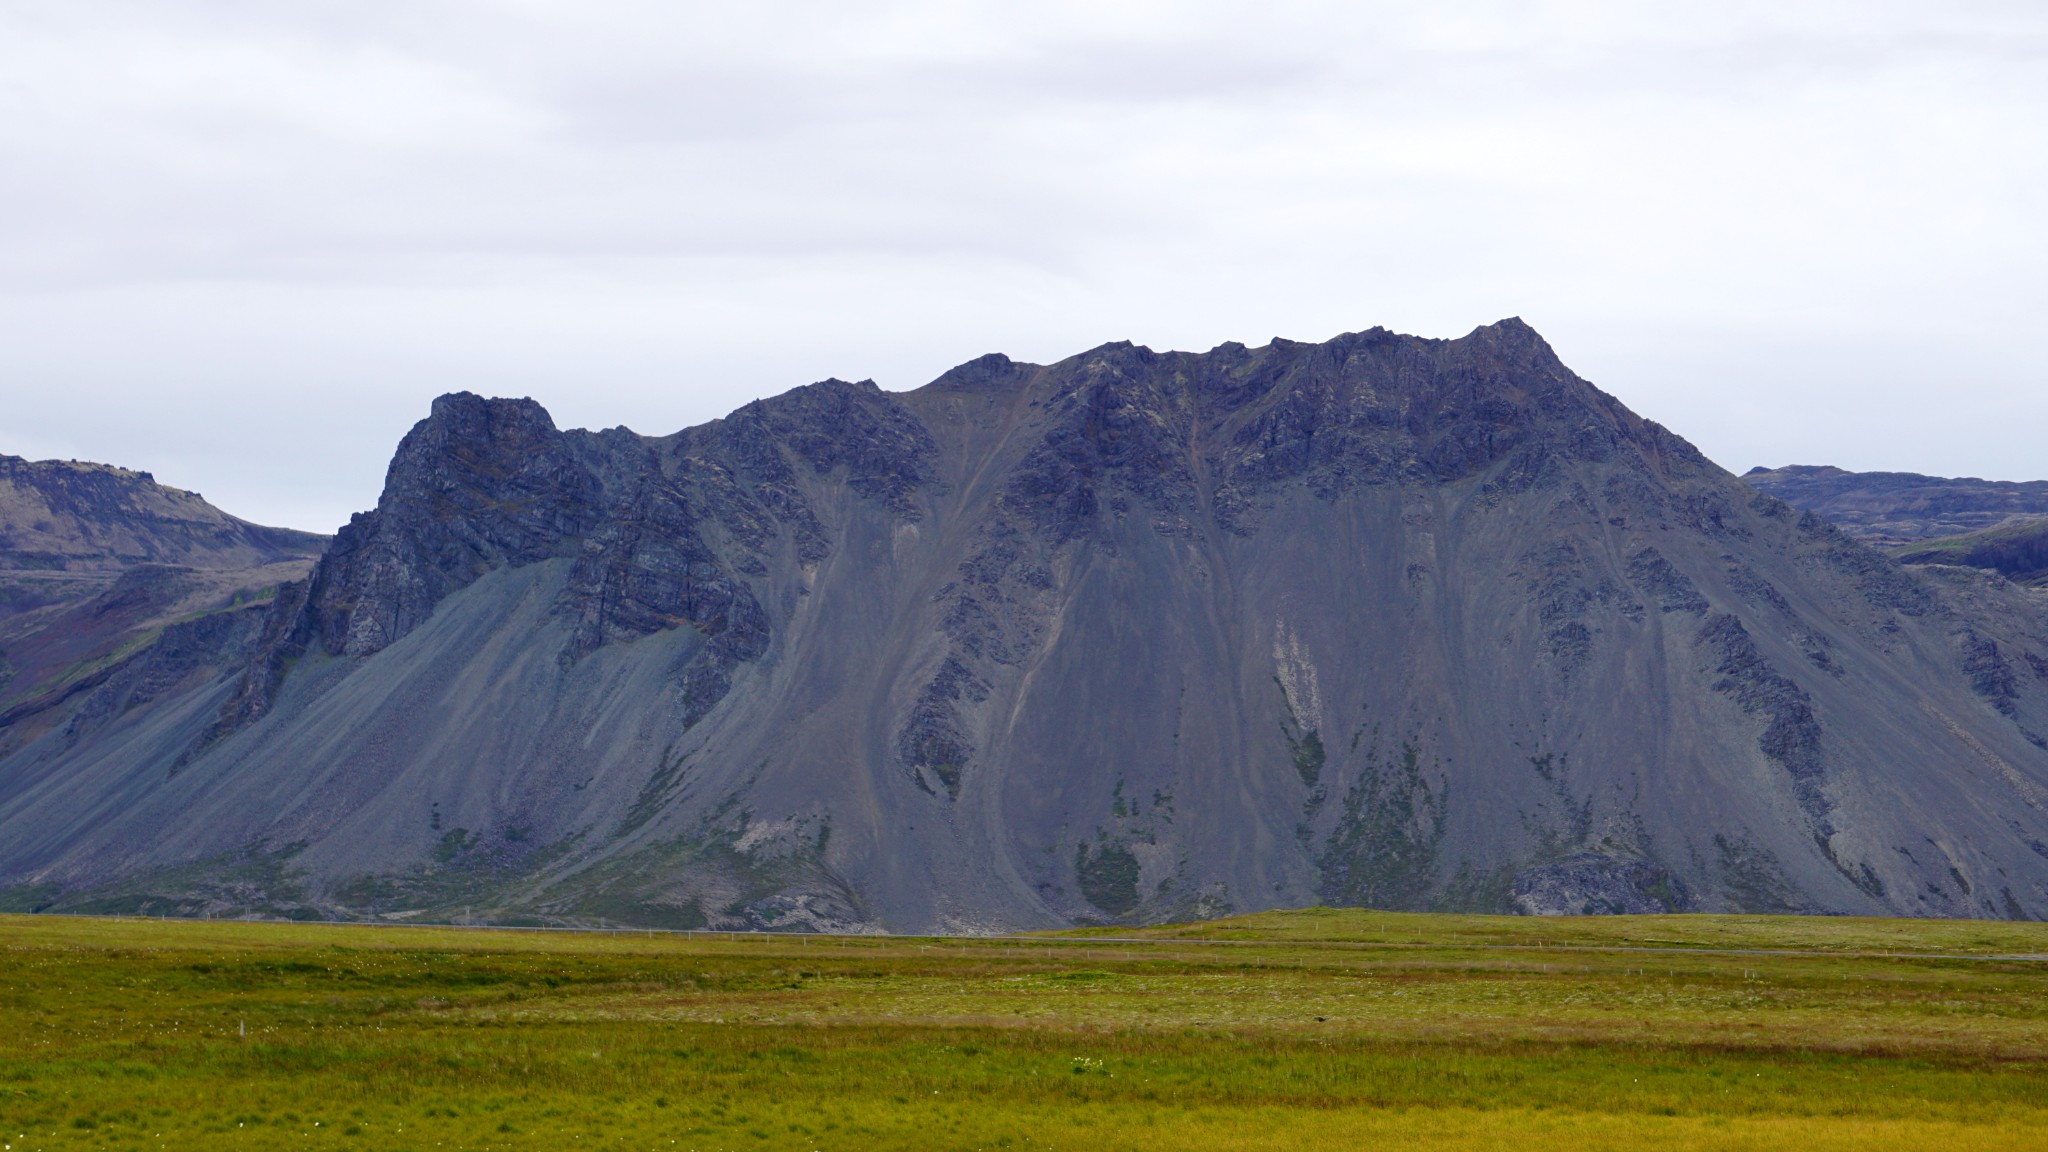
{"x":1135,"y":636}
{"x":96,"y":561}
{"x":1895,"y":508}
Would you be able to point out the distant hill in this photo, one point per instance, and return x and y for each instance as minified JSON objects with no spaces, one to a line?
{"x":68,"y":529}
{"x":96,"y":560}
{"x":1998,"y":525}
{"x":1890,"y":508}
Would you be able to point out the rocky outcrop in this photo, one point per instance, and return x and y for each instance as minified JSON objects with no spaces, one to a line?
{"x":482,"y":485}
{"x":1591,"y":884}
{"x":478,"y":485}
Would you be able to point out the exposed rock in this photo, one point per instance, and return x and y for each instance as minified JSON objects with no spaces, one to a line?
{"x":478,"y":485}
{"x":1791,"y":735}
{"x":1588,"y":884}
{"x":932,"y":744}
{"x":1991,"y":674}
{"x":1670,"y":588}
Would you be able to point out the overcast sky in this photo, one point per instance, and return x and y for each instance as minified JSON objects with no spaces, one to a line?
{"x":242,"y":245}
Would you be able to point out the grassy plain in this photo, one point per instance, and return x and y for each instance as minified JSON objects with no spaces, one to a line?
{"x":1296,"y":1030}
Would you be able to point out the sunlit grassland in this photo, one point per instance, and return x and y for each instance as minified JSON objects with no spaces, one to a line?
{"x":1287,"y":1030}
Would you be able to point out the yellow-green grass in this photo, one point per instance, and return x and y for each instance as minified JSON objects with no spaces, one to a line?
{"x":1311,"y":1029}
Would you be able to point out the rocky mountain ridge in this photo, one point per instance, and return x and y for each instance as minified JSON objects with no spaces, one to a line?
{"x":1130,"y":637}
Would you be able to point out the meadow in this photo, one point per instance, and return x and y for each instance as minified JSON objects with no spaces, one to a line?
{"x":1295,"y":1030}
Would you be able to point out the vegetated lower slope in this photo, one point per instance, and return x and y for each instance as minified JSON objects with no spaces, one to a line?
{"x":97,"y":561}
{"x":1133,"y":637}
{"x":1897,"y":508}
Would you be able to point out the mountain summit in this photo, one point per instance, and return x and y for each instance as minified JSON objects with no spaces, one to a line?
{"x":1382,"y":621}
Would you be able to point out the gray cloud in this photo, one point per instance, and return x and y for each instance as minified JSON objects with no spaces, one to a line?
{"x":242,"y":244}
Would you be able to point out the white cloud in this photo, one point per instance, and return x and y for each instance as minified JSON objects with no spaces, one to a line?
{"x":243,"y":243}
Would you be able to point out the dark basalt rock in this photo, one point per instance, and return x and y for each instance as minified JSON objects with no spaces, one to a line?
{"x":259,"y":673}
{"x":1991,"y":675}
{"x":1791,"y":736}
{"x":68,"y":516}
{"x":478,"y":485}
{"x":1589,"y":884}
{"x":185,"y":654}
{"x":482,"y":485}
{"x":649,"y":569}
{"x":1672,"y":591}
{"x":931,"y":743}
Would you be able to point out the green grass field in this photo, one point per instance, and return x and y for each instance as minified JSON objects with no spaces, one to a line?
{"x":1311,"y":1029}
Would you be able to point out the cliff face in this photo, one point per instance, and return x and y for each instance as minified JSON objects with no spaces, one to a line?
{"x":1134,"y":636}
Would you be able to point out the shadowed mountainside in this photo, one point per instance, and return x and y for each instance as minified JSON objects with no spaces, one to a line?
{"x":1136,"y":636}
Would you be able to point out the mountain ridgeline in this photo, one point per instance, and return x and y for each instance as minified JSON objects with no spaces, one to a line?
{"x":1136,"y":636}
